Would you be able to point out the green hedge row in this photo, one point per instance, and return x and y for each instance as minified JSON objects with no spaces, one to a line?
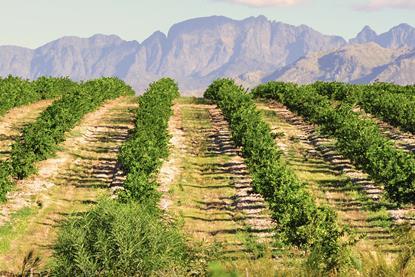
{"x":358,"y":139}
{"x":40,"y":139}
{"x":389,"y":102}
{"x":142,"y":155}
{"x":395,"y":108}
{"x":15,"y":91}
{"x":300,"y":220}
{"x":390,"y":87}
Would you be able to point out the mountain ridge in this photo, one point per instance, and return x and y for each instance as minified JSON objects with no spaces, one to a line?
{"x":198,"y":50}
{"x":356,"y":63}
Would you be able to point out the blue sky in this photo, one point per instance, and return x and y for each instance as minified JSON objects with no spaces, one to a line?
{"x":32,"y":23}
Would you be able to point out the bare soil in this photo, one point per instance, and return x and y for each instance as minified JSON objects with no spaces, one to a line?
{"x":171,"y":168}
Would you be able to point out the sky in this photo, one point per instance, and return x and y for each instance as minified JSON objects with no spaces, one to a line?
{"x":32,"y":23}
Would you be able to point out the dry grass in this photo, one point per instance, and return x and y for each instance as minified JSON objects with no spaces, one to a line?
{"x":205,"y":195}
{"x":202,"y":193}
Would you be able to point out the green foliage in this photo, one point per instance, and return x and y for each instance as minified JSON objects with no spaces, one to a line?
{"x":300,"y":221}
{"x":39,"y":139}
{"x":392,"y":103}
{"x":394,"y":88}
{"x":405,"y":237}
{"x":396,"y":109}
{"x":142,"y":154}
{"x":381,"y":264}
{"x":5,"y":180}
{"x":211,"y":91}
{"x":116,"y":239}
{"x":49,"y":87}
{"x":218,"y":270}
{"x":358,"y":139}
{"x":15,"y":91}
{"x":339,"y":91}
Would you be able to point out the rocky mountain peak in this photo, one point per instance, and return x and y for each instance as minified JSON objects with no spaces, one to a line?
{"x":367,"y":34}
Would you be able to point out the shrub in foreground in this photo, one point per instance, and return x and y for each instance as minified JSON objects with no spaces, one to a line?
{"x":116,"y":239}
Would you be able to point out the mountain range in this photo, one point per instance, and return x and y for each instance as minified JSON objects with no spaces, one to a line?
{"x":197,"y":51}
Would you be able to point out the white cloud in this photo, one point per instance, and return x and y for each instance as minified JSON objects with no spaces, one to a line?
{"x":376,"y":5}
{"x":264,"y":3}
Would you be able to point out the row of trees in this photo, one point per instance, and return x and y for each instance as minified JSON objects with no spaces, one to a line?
{"x":390,"y":87}
{"x":389,"y":102}
{"x":128,"y":236}
{"x":40,"y":139}
{"x":142,"y":154}
{"x":300,"y":221}
{"x":358,"y":139}
{"x":15,"y":91}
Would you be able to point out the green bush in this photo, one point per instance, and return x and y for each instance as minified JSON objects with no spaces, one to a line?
{"x":40,"y":139}
{"x":389,"y":102}
{"x":117,"y":239}
{"x":15,"y":91}
{"x":396,"y":109}
{"x":5,"y":181}
{"x":50,"y":87}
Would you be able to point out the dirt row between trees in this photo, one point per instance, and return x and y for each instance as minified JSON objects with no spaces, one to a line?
{"x":70,"y":183}
{"x":334,"y":180}
{"x":171,"y":168}
{"x":403,"y":140}
{"x":209,"y":190}
{"x":12,"y":123}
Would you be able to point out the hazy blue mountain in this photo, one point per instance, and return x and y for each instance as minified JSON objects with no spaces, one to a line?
{"x":399,"y":36}
{"x":194,"y":52}
{"x":197,"y":51}
{"x":82,"y":58}
{"x":16,"y":61}
{"x":400,"y":71}
{"x":364,"y":36}
{"x":355,"y":63}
